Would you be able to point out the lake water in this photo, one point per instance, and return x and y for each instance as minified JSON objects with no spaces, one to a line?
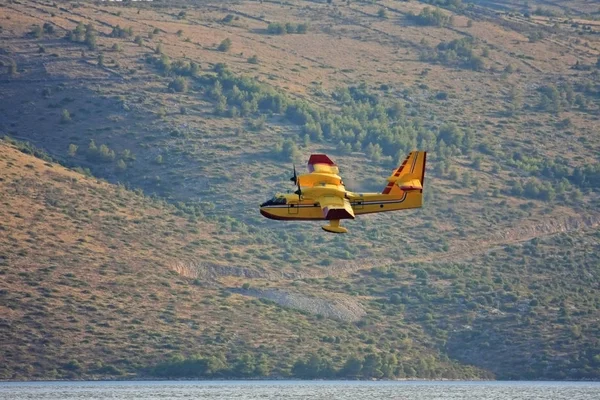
{"x":313,"y":390}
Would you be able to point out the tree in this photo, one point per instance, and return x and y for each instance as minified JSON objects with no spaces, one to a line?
{"x":121,"y":166}
{"x":431,"y":17}
{"x":179,"y":84}
{"x":92,"y":148}
{"x":276,"y":28}
{"x":515,"y":98}
{"x":352,"y":367}
{"x":12,"y":67}
{"x":48,"y":27}
{"x":476,"y":63}
{"x":101,"y":60}
{"x":90,"y":37}
{"x":65,"y":116}
{"x":290,"y":28}
{"x":138,"y":40}
{"x":289,"y":149}
{"x":37,"y":31}
{"x":550,"y":99}
{"x":382,"y":13}
{"x":225,"y":45}
{"x":79,"y":32}
{"x":253,"y":59}
{"x":263,"y":367}
{"x":194,"y":68}
{"x":302,"y":28}
{"x":105,"y":153}
{"x":244,"y":365}
{"x":221,"y":106}
{"x":372,"y":366}
{"x":73,"y":149}
{"x":580,"y":101}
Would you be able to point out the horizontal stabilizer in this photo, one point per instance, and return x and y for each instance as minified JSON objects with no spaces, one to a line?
{"x":409,"y":176}
{"x":413,"y":184}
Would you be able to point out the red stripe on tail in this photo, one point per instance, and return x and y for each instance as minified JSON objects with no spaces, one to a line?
{"x":390,"y":185}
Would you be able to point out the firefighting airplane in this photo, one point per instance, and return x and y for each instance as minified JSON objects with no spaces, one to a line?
{"x":321,"y":194}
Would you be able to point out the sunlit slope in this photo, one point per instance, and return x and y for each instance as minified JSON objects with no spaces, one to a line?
{"x":504,"y":99}
{"x":91,"y":288}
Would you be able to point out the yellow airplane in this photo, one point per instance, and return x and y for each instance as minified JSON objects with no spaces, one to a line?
{"x":321,"y":194}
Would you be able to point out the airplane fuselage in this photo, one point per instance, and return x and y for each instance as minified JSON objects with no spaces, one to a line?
{"x":362,"y":203}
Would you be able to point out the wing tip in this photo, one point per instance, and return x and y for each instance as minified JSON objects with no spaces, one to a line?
{"x":320,"y":159}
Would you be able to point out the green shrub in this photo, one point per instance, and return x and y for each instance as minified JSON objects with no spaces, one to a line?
{"x":90,"y":37}
{"x":118,"y":32}
{"x":65,"y":116}
{"x":225,"y":45}
{"x":179,"y":84}
{"x":12,"y":67}
{"x":302,"y":28}
{"x":73,"y":149}
{"x":121,"y":166}
{"x":276,"y":28}
{"x":429,"y":17}
{"x":37,"y":31}
{"x":48,"y":28}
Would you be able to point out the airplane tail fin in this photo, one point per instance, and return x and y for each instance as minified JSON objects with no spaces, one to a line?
{"x":409,"y":176}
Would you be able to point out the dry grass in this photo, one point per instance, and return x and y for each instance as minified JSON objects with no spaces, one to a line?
{"x":119,"y":242}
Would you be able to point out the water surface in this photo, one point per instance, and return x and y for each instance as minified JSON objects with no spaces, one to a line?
{"x":314,"y":390}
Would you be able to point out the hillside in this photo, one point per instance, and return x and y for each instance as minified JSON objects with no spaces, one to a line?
{"x":176,"y":119}
{"x":90,"y":288}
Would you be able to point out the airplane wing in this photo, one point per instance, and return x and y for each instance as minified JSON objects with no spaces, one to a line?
{"x":322,"y":172}
{"x":334,"y":207}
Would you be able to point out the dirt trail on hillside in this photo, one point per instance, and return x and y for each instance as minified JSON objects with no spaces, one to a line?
{"x":463,"y":250}
{"x":470,"y":248}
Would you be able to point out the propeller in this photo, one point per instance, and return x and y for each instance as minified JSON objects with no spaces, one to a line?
{"x":295,"y":177}
{"x":297,"y":182}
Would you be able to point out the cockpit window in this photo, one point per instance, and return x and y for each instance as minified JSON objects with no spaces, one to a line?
{"x":277,"y":200}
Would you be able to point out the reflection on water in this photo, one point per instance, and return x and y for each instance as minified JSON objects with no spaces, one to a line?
{"x":314,"y":390}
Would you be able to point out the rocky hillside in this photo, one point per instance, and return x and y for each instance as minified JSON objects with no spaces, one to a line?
{"x":141,"y":137}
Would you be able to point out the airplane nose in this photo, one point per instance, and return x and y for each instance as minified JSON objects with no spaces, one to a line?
{"x":266,"y":214}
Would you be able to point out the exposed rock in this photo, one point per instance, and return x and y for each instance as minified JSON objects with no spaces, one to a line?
{"x":341,"y":308}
